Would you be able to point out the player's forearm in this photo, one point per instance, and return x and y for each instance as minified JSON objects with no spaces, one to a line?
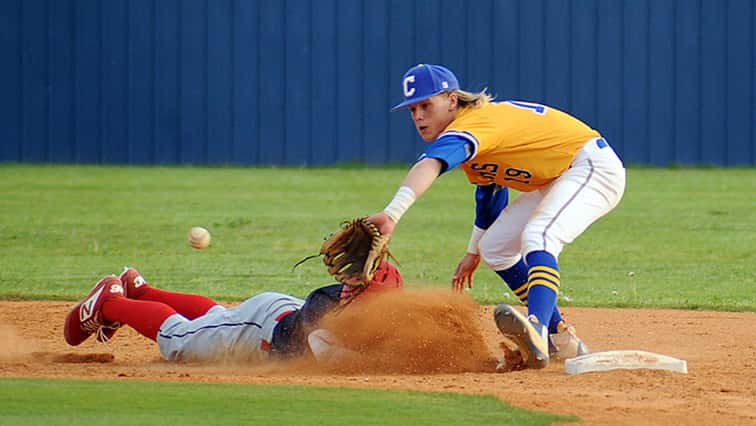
{"x":422,"y":175}
{"x":418,"y":180}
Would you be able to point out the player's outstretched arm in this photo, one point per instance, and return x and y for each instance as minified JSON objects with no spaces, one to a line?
{"x":420,"y":177}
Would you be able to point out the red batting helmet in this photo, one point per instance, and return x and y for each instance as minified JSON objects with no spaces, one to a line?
{"x":387,"y":277}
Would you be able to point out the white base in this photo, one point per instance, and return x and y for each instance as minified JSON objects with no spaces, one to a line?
{"x":624,"y":359}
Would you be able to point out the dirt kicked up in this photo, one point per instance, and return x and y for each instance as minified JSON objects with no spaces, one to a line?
{"x":437,"y":341}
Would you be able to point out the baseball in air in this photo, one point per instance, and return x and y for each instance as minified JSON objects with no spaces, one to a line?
{"x":199,"y":237}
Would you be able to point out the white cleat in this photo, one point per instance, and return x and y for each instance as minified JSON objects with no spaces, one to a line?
{"x":565,"y":343}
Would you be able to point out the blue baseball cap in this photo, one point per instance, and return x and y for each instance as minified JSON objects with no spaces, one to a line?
{"x":424,"y":81}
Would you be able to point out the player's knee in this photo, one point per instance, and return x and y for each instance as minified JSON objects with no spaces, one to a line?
{"x":536,"y":240}
{"x":498,"y":255}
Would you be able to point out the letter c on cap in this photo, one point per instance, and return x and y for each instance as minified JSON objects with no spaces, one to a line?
{"x":409,"y":91}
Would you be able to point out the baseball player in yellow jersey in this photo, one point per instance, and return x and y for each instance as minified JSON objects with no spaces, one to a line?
{"x":568,"y":174}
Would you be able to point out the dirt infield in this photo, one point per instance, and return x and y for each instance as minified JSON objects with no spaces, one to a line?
{"x":446,"y":345}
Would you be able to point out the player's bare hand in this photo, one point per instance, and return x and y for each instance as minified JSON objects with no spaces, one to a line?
{"x":464,"y":272}
{"x":384,"y":223}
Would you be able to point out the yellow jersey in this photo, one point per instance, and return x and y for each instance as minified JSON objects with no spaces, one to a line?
{"x":518,"y":144}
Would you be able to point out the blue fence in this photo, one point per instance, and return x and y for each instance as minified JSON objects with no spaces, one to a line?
{"x":301,"y":82}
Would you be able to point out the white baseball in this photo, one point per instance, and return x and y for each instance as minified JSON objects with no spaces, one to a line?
{"x":199,"y":237}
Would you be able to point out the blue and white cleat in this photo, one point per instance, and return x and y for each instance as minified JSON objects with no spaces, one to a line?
{"x":530,"y":336}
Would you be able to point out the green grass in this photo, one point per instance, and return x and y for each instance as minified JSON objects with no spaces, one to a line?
{"x":74,"y":402}
{"x":681,"y":238}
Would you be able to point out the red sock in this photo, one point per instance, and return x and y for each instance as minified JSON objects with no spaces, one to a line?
{"x":189,"y":305}
{"x":143,"y":316}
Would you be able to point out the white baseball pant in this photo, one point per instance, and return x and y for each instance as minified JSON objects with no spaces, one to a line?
{"x":549,"y":218}
{"x":241,"y":333}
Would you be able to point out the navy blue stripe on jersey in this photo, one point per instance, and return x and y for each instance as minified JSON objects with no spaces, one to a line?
{"x":209,"y":327}
{"x":277,"y":305}
{"x":452,"y":148}
{"x":490,"y":200}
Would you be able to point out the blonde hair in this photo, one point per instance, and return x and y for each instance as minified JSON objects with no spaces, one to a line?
{"x":475,"y":100}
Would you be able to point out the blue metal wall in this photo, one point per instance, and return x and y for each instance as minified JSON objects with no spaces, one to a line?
{"x":310,"y":82}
